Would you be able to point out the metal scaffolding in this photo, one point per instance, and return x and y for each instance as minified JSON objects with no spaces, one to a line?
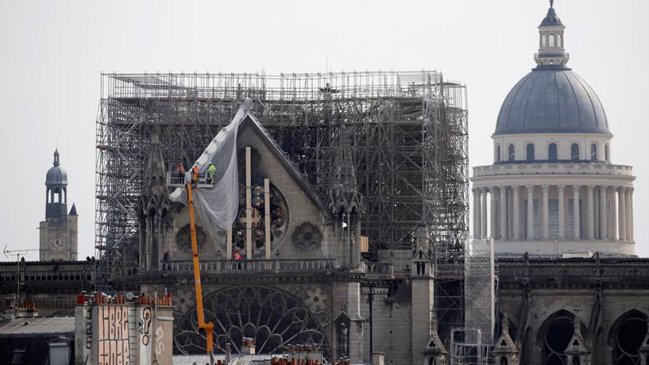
{"x":409,"y":145}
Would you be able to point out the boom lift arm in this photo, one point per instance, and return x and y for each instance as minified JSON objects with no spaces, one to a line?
{"x":209,"y":326}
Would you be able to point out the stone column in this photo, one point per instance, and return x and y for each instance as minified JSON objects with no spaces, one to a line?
{"x":530,"y":212}
{"x":602,"y":213}
{"x":575,"y":212}
{"x":483,"y":213}
{"x":546,"y":215}
{"x":562,"y":216}
{"x":629,"y":214}
{"x":517,"y":207}
{"x":494,"y":210}
{"x":621,"y":198}
{"x":613,"y":214}
{"x":476,"y":214}
{"x":503,"y":213}
{"x":590,"y":223}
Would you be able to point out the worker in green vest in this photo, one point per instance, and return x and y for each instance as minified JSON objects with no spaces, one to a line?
{"x":210,"y":173}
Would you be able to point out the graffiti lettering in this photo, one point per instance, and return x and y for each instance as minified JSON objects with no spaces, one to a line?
{"x":112,"y":339}
{"x":145,"y":325}
{"x":159,"y":345}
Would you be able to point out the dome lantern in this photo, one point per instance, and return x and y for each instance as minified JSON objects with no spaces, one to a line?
{"x":551,"y":41}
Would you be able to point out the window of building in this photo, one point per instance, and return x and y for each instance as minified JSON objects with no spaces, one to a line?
{"x":628,"y":333}
{"x":555,"y":335}
{"x":530,"y":152}
{"x":497,"y":157}
{"x":536,"y":223}
{"x":606,"y":158}
{"x":551,"y":40}
{"x":593,"y":152}
{"x":512,"y":156}
{"x":574,"y":152}
{"x":553,"y":215}
{"x":543,"y":41}
{"x":559,"y":40}
{"x":552,"y":152}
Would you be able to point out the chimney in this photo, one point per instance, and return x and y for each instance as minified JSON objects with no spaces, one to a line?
{"x":228,"y":353}
{"x":248,"y":346}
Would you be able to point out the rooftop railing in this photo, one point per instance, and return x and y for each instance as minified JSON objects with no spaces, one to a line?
{"x":257,"y":266}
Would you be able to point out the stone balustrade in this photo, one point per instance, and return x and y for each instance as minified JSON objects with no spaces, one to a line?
{"x":552,"y":168}
{"x":378,"y":269}
{"x":258,"y":266}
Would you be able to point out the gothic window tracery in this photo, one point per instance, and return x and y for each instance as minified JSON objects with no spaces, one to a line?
{"x":278,"y":218}
{"x":627,"y":335}
{"x":554,"y":336}
{"x":279,"y":214}
{"x":272,"y":318}
{"x":307,"y":237}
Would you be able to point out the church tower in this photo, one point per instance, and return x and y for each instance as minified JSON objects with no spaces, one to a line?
{"x":553,"y":189}
{"x":58,"y":232}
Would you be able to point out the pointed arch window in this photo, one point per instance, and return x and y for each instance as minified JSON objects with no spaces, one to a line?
{"x":574,"y":152}
{"x":511,"y":153}
{"x":552,"y":152}
{"x":627,"y":335}
{"x":593,"y":152}
{"x":554,"y":336}
{"x":530,"y":152}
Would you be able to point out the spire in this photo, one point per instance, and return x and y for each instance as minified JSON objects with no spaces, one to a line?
{"x":73,"y":210}
{"x":56,"y":157}
{"x":154,"y":192}
{"x":551,"y":41}
{"x":343,"y":189}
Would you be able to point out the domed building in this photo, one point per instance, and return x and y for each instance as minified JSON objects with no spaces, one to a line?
{"x":553,"y":189}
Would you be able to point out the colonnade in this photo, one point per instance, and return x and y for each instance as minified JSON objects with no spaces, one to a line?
{"x":579,"y":212}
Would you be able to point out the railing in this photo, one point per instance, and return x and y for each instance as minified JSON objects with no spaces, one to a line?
{"x":553,"y":168}
{"x":270,"y":266}
{"x":378,"y":268}
{"x":177,"y":180}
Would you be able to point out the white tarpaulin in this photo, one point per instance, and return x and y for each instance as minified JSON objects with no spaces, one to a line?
{"x":218,"y":205}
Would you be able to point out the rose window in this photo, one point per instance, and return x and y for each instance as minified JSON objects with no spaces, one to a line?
{"x":272,"y":318}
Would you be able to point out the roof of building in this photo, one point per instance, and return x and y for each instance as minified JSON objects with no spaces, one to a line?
{"x":551,"y":100}
{"x":38,"y":326}
{"x":73,"y":210}
{"x":551,"y":19}
{"x":56,"y":175}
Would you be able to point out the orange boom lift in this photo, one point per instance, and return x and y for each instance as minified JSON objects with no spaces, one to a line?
{"x":209,"y":326}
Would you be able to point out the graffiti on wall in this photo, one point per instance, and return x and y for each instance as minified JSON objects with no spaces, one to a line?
{"x":112,"y":335}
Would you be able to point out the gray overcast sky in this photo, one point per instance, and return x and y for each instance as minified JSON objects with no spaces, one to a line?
{"x":53,"y":52}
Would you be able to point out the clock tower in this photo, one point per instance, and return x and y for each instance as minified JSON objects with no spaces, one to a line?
{"x":58,"y":232}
